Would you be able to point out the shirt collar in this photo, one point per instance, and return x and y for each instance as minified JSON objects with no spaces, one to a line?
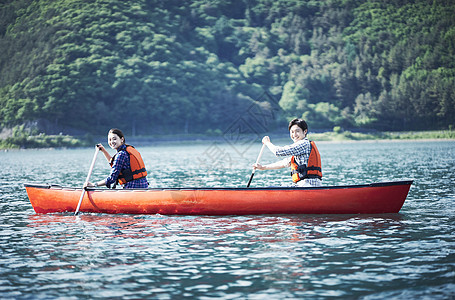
{"x":122,"y":147}
{"x":302,"y":140}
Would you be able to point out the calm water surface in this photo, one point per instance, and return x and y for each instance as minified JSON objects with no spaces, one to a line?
{"x":410,"y":255}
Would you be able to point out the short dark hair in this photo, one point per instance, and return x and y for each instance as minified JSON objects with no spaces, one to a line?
{"x":118,"y":132}
{"x":299,"y":122}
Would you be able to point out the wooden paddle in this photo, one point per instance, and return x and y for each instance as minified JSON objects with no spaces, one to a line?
{"x":257,"y":161}
{"x":86,"y":180}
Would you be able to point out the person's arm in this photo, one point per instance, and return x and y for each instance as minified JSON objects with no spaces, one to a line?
{"x":294,"y":149}
{"x":98,"y":183}
{"x":120,"y":162}
{"x":266,"y":141}
{"x":106,"y":154}
{"x":273,"y":166}
{"x":117,"y":166}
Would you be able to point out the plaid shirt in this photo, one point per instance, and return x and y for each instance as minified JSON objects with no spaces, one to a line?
{"x":301,"y":151}
{"x":122,"y":162}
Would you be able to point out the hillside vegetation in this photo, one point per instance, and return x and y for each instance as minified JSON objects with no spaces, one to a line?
{"x":196,"y":66}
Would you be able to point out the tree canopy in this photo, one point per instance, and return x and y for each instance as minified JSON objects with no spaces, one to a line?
{"x":151,"y":66}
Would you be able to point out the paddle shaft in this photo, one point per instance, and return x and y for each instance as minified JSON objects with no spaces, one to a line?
{"x":87,"y":179}
{"x":257,"y":161}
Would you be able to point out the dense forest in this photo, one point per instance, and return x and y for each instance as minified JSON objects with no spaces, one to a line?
{"x":198,"y":66}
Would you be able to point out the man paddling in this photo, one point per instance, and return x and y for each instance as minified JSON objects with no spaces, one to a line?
{"x":302,"y":156}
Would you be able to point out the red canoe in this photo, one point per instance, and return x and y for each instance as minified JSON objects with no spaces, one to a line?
{"x":375,"y":198}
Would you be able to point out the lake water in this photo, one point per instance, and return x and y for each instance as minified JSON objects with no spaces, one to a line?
{"x":409,"y":255}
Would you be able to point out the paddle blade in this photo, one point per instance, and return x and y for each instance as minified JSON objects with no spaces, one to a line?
{"x":257,"y":161}
{"x":249,"y":181}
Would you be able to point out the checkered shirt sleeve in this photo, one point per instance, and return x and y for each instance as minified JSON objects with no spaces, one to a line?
{"x":299,"y":148}
{"x":121,"y":161}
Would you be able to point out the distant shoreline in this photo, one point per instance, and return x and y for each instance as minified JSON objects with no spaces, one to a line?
{"x":385,"y":136}
{"x":66,"y":141}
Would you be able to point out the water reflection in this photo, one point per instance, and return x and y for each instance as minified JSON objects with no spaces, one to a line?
{"x":134,"y":226}
{"x":254,"y":253}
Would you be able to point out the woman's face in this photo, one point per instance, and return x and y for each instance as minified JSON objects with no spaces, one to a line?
{"x":297,"y":133}
{"x":114,"y":140}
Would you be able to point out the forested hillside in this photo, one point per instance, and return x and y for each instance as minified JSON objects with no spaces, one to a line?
{"x":174,"y":66}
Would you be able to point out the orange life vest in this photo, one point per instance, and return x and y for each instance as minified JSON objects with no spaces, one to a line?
{"x":312,"y":170}
{"x":137,"y":167}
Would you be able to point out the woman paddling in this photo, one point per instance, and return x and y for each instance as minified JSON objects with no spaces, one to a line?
{"x":302,"y":156}
{"x":127,"y":165}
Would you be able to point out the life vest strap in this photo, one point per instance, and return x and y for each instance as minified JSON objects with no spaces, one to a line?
{"x":139,"y":171}
{"x":313,"y":169}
